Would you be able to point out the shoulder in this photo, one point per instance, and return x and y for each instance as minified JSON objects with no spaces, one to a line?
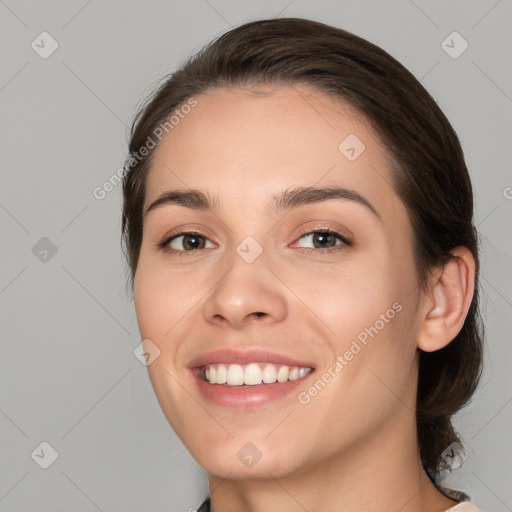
{"x":464,"y":506}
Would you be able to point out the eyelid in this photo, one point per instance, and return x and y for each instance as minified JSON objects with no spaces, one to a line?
{"x":194,"y":229}
{"x":322,"y":225}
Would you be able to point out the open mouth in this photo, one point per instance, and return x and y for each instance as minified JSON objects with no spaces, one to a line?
{"x":250,"y":378}
{"x":252,"y":374}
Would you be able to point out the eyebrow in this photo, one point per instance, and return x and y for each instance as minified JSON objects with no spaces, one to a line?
{"x":285,"y":200}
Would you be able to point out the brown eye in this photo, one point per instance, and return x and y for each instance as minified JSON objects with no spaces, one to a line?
{"x":324,"y":239}
{"x":185,"y":242}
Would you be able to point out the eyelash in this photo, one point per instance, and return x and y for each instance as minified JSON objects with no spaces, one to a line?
{"x":346,"y":242}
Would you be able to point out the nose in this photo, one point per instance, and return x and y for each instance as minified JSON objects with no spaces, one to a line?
{"x":247,"y":293}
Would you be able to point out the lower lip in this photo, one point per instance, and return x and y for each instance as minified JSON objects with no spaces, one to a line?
{"x":247,"y":397}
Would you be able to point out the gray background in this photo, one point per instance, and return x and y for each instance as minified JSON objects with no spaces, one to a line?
{"x":68,"y":375}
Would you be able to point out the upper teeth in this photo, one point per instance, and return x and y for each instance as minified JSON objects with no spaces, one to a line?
{"x":252,"y":374}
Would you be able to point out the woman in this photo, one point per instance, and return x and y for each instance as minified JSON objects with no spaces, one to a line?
{"x":298,"y":221}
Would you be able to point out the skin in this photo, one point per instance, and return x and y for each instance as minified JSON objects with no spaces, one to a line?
{"x":353,"y":447}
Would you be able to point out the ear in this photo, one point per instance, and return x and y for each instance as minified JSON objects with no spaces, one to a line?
{"x":446,"y":305}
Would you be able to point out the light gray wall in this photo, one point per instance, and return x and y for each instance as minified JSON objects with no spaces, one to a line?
{"x":68,"y":375}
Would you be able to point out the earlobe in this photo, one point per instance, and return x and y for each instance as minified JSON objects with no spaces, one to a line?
{"x":448,"y":302}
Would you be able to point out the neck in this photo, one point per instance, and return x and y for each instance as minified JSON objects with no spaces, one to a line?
{"x":382,"y":474}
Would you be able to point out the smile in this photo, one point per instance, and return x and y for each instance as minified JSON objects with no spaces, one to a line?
{"x":251,"y":374}
{"x":249,"y":378}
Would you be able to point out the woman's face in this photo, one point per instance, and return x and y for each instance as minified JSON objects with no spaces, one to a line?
{"x":259,"y":291}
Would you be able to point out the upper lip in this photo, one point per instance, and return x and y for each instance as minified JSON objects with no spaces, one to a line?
{"x":246,"y":356}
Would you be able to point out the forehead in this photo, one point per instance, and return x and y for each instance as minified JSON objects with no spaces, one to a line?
{"x":249,"y":143}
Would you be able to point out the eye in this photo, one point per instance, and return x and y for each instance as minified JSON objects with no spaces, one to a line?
{"x":184,"y":242}
{"x":324,"y":240}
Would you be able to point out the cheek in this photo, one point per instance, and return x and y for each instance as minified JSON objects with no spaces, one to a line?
{"x":155,"y":305}
{"x":149,"y":307}
{"x":369,"y":311}
{"x":162,"y":318}
{"x":350,"y":298}
{"x":167,"y":305}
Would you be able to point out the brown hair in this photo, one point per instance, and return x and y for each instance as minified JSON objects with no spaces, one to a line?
{"x":430,"y":173}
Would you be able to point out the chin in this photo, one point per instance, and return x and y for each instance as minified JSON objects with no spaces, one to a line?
{"x":243,"y":460}
{"x":234,"y":470}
